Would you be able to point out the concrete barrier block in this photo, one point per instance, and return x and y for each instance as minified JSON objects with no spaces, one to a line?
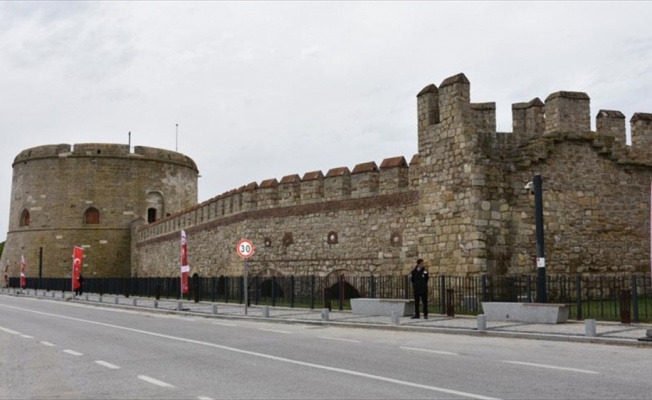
{"x":590,"y":327}
{"x":364,"y":306}
{"x":542,"y":313}
{"x":482,"y":322}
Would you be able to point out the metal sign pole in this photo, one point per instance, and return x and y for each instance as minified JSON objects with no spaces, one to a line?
{"x":245,"y":288}
{"x":542,"y":295}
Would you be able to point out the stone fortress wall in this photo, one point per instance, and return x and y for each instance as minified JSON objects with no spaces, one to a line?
{"x":88,"y":195}
{"x":460,"y":203}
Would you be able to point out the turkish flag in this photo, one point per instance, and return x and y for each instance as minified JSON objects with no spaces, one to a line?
{"x":23,"y":265}
{"x":185,"y":268}
{"x":77,"y":261}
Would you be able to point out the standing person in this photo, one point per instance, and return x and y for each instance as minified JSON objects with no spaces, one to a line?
{"x":419,"y":280}
{"x":80,"y":289}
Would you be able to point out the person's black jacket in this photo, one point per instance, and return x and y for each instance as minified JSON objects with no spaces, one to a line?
{"x":419,"y":280}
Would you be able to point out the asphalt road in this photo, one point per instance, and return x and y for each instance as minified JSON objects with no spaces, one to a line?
{"x":66,"y":350}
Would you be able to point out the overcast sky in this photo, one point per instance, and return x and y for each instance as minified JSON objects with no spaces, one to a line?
{"x":267,"y":89}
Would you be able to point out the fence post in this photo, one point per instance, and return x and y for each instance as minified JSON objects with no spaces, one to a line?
{"x":442,"y":293}
{"x":226,"y":288}
{"x":292,"y":291}
{"x":625,"y":311}
{"x":483,"y":285}
{"x":578,"y":295}
{"x":372,"y":284}
{"x":634,"y":299}
{"x":312,"y":292}
{"x":342,"y":294}
{"x":450,"y":305}
{"x":273,"y":291}
{"x":406,"y":282}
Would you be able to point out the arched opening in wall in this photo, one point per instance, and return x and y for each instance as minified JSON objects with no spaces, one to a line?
{"x":24,"y":218}
{"x":337,"y":290}
{"x":155,"y":206}
{"x":92,"y":216}
{"x":271,"y":288}
{"x":151,"y":215}
{"x":268,"y":287}
{"x":221,"y":284}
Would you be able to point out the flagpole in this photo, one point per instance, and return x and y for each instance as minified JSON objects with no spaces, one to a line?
{"x":176,"y":140}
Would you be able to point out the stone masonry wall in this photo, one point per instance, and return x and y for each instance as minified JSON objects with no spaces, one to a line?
{"x":461,"y":204}
{"x":55,"y":185}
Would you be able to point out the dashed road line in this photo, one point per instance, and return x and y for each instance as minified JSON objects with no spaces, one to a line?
{"x":155,"y":381}
{"x":48,"y":344}
{"x":274,"y":330}
{"x":223,"y":324}
{"x":27,"y":336}
{"x":340,"y":339}
{"x":107,"y":364}
{"x":204,"y":398}
{"x":9,"y":331}
{"x":73,"y":353}
{"x":584,"y":371}
{"x":448,"y":353}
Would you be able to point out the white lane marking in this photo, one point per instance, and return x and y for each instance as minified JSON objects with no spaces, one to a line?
{"x":448,"y":353}
{"x":273,"y":330}
{"x":27,"y":336}
{"x":107,"y":364}
{"x":584,"y":371}
{"x":267,"y":356}
{"x":340,"y":339}
{"x":204,"y":398}
{"x":223,"y":324}
{"x":73,"y":353}
{"x":9,"y":331}
{"x":155,"y":381}
{"x":48,"y":344}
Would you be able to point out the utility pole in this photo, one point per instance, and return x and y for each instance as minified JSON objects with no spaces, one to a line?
{"x":542,"y":294}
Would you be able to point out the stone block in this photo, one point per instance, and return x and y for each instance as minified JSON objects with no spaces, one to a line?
{"x":541,"y":313}
{"x":363,"y":306}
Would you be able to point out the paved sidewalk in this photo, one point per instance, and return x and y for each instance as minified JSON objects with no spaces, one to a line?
{"x":606,"y":332}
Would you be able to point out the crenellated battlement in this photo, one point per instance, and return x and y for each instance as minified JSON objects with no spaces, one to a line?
{"x":106,"y":150}
{"x":563,"y":114}
{"x":366,"y":180}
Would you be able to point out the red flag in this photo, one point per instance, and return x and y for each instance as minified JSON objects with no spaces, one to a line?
{"x":185,"y":268}
{"x":23,"y":265}
{"x":77,"y":258}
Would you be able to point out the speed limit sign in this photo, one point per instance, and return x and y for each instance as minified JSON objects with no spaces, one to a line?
{"x":245,"y":248}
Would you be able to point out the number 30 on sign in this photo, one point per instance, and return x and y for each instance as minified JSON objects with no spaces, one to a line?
{"x":245,"y":248}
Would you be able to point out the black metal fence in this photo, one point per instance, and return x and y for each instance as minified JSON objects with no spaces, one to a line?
{"x":627,"y":298}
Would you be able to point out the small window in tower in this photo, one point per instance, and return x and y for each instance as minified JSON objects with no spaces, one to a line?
{"x":92,"y":216}
{"x":24,"y":218}
{"x":151,"y":215}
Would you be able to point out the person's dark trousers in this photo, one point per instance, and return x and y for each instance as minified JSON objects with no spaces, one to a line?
{"x":423,"y":299}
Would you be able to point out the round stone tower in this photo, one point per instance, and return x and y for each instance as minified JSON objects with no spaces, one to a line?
{"x":88,"y":195}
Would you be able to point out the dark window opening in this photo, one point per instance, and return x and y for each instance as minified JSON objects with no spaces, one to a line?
{"x":24,"y":218}
{"x":92,"y":216}
{"x":151,"y":215}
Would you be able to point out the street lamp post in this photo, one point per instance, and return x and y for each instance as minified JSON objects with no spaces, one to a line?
{"x":542,"y":295}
